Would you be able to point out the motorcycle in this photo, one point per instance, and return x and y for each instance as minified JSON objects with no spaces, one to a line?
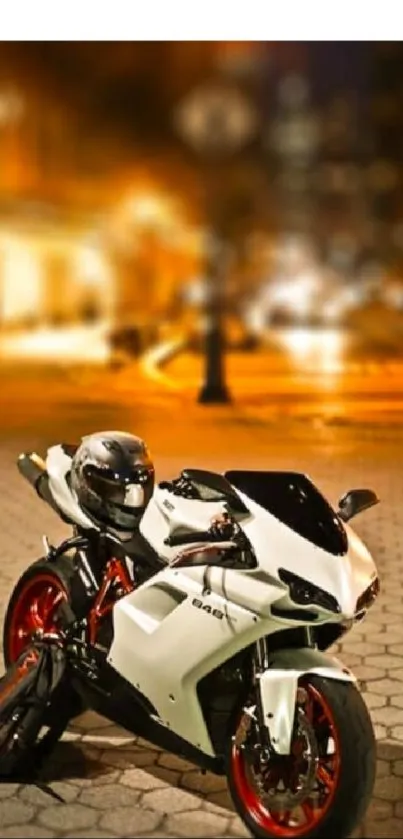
{"x":207,"y":634}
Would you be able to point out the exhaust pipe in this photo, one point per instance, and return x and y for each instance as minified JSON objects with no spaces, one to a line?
{"x":32,"y":467}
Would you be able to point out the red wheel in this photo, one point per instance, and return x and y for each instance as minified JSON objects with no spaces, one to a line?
{"x":35,"y":608}
{"x":321,"y":788}
{"x":33,"y":604}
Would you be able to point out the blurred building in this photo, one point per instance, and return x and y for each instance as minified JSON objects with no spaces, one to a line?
{"x":48,"y":272}
{"x":84,"y":125}
{"x":56,"y":268}
{"x":386,"y":174}
{"x":51,"y":273}
{"x":64,"y":171}
{"x":320,"y":143}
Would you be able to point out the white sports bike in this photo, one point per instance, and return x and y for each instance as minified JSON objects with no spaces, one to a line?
{"x":206,"y":633}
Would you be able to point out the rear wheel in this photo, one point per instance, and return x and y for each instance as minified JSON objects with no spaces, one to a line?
{"x":323,"y":787}
{"x":33,"y":606}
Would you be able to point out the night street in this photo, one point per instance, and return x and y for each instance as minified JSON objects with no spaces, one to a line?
{"x":319,"y":380}
{"x":100,"y":782}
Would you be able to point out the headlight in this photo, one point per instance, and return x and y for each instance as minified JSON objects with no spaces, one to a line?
{"x":306,"y":594}
{"x":367,"y":598}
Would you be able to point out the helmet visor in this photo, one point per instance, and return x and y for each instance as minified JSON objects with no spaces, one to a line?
{"x":132,"y":489}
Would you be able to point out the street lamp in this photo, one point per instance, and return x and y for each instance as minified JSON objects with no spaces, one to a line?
{"x":216,"y":120}
{"x":148,"y":210}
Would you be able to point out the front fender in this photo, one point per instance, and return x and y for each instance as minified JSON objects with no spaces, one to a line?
{"x":279,"y":683}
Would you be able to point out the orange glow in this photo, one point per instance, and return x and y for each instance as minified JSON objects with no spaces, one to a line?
{"x":11,"y":107}
{"x":322,"y":349}
{"x":91,"y":267}
{"x":21,"y":280}
{"x":149,"y":209}
{"x":71,"y":344}
{"x":49,"y":274}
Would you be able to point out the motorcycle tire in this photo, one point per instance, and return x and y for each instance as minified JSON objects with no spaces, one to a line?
{"x":26,"y":610}
{"x":25,"y":690}
{"x":345,"y":787}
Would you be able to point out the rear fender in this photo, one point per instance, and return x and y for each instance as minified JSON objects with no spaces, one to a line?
{"x":279,"y":683}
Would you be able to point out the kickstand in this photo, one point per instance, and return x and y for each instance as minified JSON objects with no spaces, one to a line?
{"x":45,"y":747}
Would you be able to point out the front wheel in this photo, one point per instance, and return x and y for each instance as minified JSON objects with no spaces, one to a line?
{"x":324,"y":787}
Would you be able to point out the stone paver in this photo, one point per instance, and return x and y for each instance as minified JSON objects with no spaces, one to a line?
{"x":110,"y":785}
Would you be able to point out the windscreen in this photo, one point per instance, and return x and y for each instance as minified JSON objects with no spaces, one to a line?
{"x":293,"y":499}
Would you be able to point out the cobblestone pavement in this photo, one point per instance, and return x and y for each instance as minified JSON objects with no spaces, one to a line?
{"x":100,"y":781}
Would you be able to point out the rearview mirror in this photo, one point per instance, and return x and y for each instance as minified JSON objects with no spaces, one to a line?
{"x":356,"y":501}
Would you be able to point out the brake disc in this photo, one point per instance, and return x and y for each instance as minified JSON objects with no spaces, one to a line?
{"x":285,"y":798}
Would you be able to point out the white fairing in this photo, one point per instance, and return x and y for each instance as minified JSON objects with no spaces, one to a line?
{"x":166,"y":512}
{"x":180,"y":625}
{"x":58,"y":465}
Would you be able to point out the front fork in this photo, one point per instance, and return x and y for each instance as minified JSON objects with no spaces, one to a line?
{"x":276,"y":698}
{"x":277,"y":676}
{"x":262,"y":716}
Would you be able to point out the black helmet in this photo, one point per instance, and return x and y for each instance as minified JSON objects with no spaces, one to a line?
{"x":112,"y":476}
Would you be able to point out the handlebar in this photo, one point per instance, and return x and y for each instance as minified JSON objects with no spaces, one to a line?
{"x":190,"y":538}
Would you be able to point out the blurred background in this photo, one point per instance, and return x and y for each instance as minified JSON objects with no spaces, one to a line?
{"x":205,"y":222}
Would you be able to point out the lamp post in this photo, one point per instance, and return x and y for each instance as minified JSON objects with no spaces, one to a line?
{"x":216,"y":120}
